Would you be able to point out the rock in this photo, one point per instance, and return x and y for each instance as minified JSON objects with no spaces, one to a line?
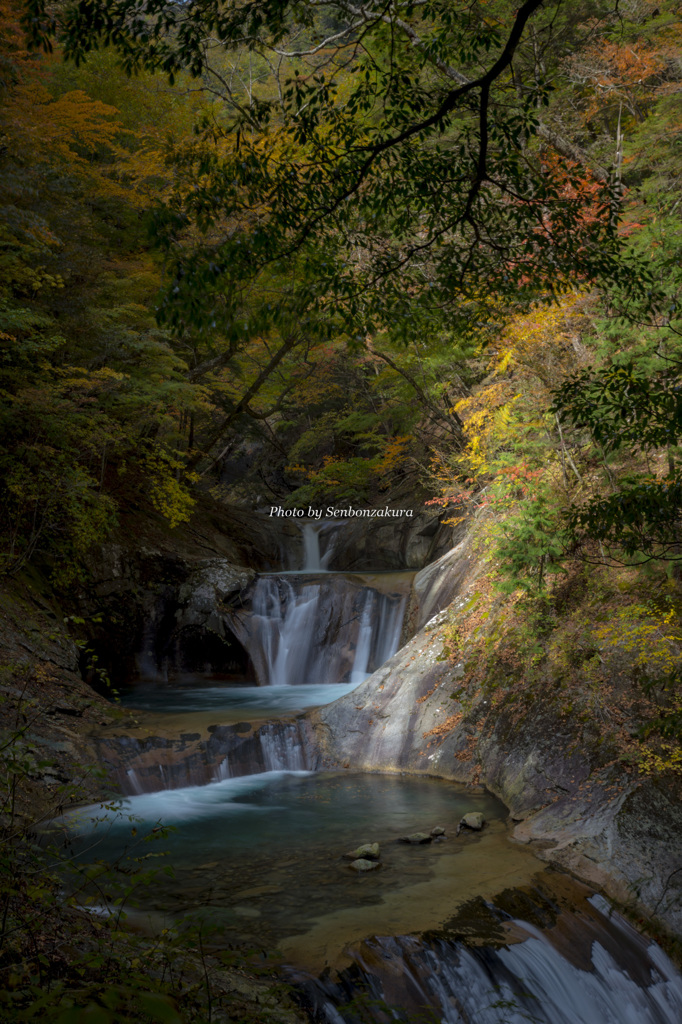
{"x":416,"y":837}
{"x":362,"y":864}
{"x":257,"y":890}
{"x":437,"y":831}
{"x":368,"y":851}
{"x":473,"y":820}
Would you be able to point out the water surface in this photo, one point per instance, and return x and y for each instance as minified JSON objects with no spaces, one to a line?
{"x":262,"y":856}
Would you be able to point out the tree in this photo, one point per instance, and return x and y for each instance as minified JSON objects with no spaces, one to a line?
{"x":622,"y":407}
{"x":89,"y":384}
{"x":382,"y":159}
{"x":383,"y":138}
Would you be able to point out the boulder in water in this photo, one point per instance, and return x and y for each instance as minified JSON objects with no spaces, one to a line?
{"x":416,"y":838}
{"x":437,"y":831}
{"x":362,"y":864}
{"x":368,"y":851}
{"x":473,"y":820}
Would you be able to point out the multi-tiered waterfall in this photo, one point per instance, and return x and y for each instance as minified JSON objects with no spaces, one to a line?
{"x":261,"y":834}
{"x":313,"y":626}
{"x":331,"y":628}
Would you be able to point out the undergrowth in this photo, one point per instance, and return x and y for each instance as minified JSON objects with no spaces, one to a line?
{"x":602,"y":649}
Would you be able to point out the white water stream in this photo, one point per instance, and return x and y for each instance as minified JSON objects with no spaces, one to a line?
{"x":331,"y":629}
{"x":526,"y":981}
{"x":319,"y":544}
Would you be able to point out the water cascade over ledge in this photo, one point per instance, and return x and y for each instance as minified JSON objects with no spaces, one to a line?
{"x":590,"y":967}
{"x":336,"y":627}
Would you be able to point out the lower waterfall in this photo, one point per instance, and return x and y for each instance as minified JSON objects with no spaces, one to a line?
{"x":622,"y":979}
{"x":166,"y":763}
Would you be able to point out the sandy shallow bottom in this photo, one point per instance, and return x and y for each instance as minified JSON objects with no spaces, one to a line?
{"x":462,"y":869}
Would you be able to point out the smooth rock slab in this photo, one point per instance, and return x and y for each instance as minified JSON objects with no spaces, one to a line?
{"x":362,"y":864}
{"x":368,"y":851}
{"x":416,"y":837}
{"x":437,"y":831}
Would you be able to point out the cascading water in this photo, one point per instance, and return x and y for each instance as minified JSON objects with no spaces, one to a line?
{"x":312,"y":635}
{"x":320,"y":540}
{"x":277,"y":829}
{"x":619,"y":979}
{"x":333,"y":628}
{"x":317,"y":627}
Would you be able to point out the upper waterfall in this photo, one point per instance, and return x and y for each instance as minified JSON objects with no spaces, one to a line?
{"x":311,"y":624}
{"x":319,"y":545}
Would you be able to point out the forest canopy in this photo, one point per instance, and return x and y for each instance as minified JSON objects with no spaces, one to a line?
{"x":309,"y":250}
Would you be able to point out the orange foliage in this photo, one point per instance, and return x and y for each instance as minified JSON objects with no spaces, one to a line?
{"x":446,"y":726}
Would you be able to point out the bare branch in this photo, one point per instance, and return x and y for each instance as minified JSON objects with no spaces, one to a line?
{"x":290,"y":342}
{"x":320,"y":46}
{"x":565,"y":148}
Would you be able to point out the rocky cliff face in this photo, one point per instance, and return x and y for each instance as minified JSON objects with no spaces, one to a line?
{"x":146,"y":758}
{"x":47,"y":711}
{"x":580,"y":809}
{"x":160,"y":602}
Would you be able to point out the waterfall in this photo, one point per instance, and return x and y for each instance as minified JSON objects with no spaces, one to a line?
{"x":132,"y":782}
{"x":146,"y":660}
{"x":314,"y":629}
{"x":334,"y":628}
{"x":281,"y":618}
{"x":363,"y":643}
{"x":609,"y":975}
{"x":153,"y":764}
{"x":282,"y":748}
{"x":388,"y":630}
{"x":274,"y":747}
{"x":319,"y":545}
{"x":312,"y":561}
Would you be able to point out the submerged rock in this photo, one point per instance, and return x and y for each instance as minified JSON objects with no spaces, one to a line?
{"x":362,"y":864}
{"x":368,"y":851}
{"x":473,"y":820}
{"x":416,"y":838}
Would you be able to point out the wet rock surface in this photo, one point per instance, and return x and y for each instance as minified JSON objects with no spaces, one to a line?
{"x":589,"y":965}
{"x":141,"y":760}
{"x":364,"y":864}
{"x":474,"y":820}
{"x":437,"y":584}
{"x":48,"y":712}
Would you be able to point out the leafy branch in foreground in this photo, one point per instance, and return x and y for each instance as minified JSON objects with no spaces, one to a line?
{"x":398,"y":154}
